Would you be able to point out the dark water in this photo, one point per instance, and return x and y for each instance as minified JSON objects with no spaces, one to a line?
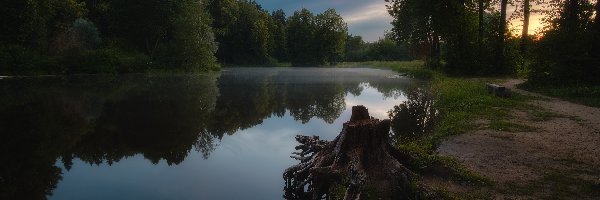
{"x":225,"y":135}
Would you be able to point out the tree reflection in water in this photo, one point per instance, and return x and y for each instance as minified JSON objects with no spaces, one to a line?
{"x":104,"y":119}
{"x":97,"y":119}
{"x":415,"y":117}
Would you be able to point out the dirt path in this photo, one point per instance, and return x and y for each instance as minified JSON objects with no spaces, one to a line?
{"x":559,"y":159}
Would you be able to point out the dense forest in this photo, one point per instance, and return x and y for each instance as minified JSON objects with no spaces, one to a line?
{"x":457,"y":36}
{"x":473,"y":37}
{"x":108,"y":36}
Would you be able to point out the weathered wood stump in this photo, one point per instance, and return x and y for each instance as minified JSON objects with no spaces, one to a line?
{"x":359,"y":159}
{"x":498,"y":90}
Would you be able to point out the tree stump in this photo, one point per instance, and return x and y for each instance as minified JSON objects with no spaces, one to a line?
{"x":360,"y":159}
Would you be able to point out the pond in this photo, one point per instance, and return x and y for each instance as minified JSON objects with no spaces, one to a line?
{"x":222,"y":135}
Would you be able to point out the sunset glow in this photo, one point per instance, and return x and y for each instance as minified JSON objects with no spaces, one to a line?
{"x":535,"y":22}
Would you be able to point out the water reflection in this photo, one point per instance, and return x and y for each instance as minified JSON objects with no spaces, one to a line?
{"x":97,"y":119}
{"x":105,"y":120}
{"x":415,"y":117}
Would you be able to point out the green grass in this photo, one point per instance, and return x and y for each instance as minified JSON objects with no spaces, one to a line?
{"x":461,"y":101}
{"x":502,"y":125}
{"x":541,"y":115}
{"x":582,"y":94}
{"x":411,"y":68}
{"x":268,"y":64}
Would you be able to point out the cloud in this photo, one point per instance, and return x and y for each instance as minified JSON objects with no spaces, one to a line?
{"x":368,"y":19}
{"x":368,"y":13}
{"x":370,"y":30}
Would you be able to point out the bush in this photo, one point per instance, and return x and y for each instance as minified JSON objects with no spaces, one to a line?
{"x":82,"y":35}
{"x":87,"y":33}
{"x":106,"y":60}
{"x":16,"y":59}
{"x":384,"y":49}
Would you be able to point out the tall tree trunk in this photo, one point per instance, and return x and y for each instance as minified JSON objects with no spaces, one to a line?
{"x":435,"y":50}
{"x":462,"y":42}
{"x":480,"y":52}
{"x":480,"y":36}
{"x":572,"y":17}
{"x":525,"y":34}
{"x":502,"y":33}
{"x":597,"y":20}
{"x":433,"y":60}
{"x":596,"y":44}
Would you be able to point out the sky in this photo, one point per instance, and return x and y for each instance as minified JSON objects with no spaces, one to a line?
{"x":535,"y":21}
{"x":367,"y":18}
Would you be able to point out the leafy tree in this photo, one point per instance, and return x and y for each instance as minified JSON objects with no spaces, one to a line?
{"x":145,"y":24}
{"x":82,"y":35}
{"x":301,"y":33}
{"x":57,"y":35}
{"x":417,"y":24}
{"x":384,"y":49}
{"x":279,"y":35}
{"x":449,"y":29}
{"x":243,"y":31}
{"x":194,"y":41}
{"x":252,"y":34}
{"x":355,"y":48}
{"x":224,"y":14}
{"x":331,"y":32}
{"x":316,"y":40}
{"x":174,"y":33}
{"x":35,"y":23}
{"x":561,"y":56}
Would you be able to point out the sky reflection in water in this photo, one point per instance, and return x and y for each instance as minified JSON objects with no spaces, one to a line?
{"x":251,"y":138}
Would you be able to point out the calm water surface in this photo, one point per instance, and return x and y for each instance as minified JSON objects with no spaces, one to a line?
{"x":225,"y":135}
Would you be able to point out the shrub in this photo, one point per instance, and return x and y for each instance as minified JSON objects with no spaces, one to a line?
{"x":82,"y":35}
{"x":106,"y":60}
{"x":16,"y":59}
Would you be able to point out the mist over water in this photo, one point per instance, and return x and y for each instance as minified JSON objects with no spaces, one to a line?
{"x":225,"y":135}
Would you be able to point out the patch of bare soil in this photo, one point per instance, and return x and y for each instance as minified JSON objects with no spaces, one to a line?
{"x":559,"y":159}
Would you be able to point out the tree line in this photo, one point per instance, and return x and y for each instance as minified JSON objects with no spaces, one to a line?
{"x":384,"y":49}
{"x":248,"y":34}
{"x":112,"y":36}
{"x":472,"y":37}
{"x":93,"y":36}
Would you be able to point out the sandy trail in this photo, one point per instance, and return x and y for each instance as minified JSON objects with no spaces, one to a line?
{"x":565,"y":147}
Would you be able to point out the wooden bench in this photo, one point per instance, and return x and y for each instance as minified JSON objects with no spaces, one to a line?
{"x":497,"y":90}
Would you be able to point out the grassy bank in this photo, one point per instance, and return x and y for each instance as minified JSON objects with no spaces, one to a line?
{"x":462,"y":100}
{"x":465,"y":106}
{"x":582,"y":94}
